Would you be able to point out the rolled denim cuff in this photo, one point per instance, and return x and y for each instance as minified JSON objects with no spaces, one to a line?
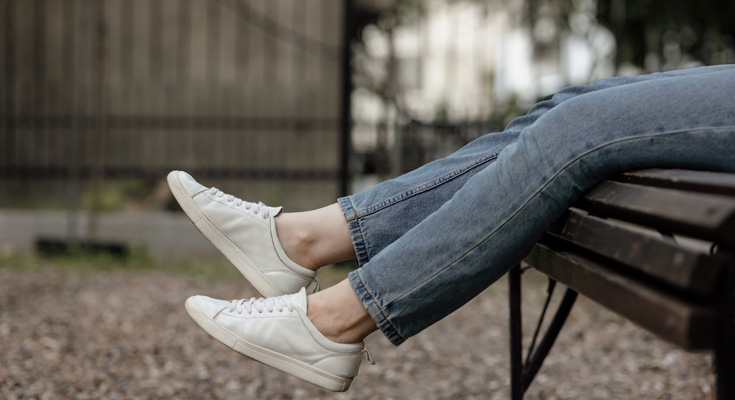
{"x":370,"y":302}
{"x":356,"y":234}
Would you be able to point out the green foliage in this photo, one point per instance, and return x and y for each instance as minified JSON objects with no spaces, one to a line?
{"x":653,"y":34}
{"x":700,"y":29}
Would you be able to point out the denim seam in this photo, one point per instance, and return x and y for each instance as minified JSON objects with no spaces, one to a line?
{"x":535,"y":194}
{"x":348,"y":210}
{"x":359,"y":244}
{"x":425,"y":186}
{"x":390,"y":331}
{"x":363,"y":241}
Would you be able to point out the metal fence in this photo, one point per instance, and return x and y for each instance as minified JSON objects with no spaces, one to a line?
{"x":248,"y":95}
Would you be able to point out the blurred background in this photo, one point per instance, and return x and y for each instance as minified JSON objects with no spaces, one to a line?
{"x":292,"y":103}
{"x":289,"y":103}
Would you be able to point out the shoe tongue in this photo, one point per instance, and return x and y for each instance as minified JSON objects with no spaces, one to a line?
{"x":273,"y":211}
{"x":299,"y":300}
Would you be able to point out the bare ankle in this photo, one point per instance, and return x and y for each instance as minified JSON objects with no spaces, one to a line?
{"x":339,"y":315}
{"x":296,"y":240}
{"x":315,"y":238}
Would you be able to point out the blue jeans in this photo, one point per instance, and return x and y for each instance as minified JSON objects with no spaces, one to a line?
{"x":430,"y":240}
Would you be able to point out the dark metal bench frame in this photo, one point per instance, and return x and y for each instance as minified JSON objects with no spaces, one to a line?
{"x":640,"y":194}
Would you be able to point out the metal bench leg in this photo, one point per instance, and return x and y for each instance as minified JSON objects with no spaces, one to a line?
{"x":516,"y":334}
{"x":522,"y":374}
{"x":537,"y":357}
{"x":725,"y":335}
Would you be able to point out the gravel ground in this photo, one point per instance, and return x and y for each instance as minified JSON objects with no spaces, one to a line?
{"x":125,"y":335}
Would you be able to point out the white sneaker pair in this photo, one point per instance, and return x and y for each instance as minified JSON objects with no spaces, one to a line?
{"x":274,"y":330}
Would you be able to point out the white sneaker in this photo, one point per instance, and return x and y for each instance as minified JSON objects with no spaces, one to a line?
{"x":276,"y":331}
{"x":245,"y":233}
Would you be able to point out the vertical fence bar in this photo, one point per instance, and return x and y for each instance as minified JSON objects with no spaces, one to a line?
{"x":345,"y":144}
{"x":213,"y":61}
{"x":300,"y":74}
{"x":71,"y":69}
{"x":241,"y":139}
{"x":100,"y":127}
{"x":6,"y":22}
{"x":3,"y":97}
{"x":183,"y":55}
{"x":38,"y":156}
{"x":155,"y":63}
{"x":10,"y":112}
{"x":158,"y":75}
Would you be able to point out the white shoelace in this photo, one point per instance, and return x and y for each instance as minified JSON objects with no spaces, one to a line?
{"x":270,"y":304}
{"x":262,"y":304}
{"x":256,"y":207}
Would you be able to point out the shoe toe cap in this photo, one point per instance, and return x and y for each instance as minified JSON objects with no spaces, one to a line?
{"x":205,"y":305}
{"x":188,"y":183}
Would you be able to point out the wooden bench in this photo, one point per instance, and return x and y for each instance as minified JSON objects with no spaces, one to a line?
{"x":654,"y":246}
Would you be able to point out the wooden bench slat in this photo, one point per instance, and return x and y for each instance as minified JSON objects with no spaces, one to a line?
{"x":699,"y":181}
{"x":658,"y":258}
{"x":704,"y":216}
{"x":689,"y":326}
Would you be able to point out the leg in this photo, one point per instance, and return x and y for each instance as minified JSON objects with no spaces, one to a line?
{"x":684,"y":120}
{"x":372,"y":214}
{"x":315,"y":238}
{"x":681,"y":119}
{"x":339,"y":315}
{"x":606,"y":148}
{"x":281,"y":255}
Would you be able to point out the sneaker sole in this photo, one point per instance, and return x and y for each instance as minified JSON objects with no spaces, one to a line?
{"x":268,"y":357}
{"x":236,"y":256}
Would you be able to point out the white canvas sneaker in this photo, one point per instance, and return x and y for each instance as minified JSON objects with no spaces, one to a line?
{"x":245,"y":233}
{"x":277,"y":332}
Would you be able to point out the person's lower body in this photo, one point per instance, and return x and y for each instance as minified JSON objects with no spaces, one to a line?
{"x":432,"y":239}
{"x":684,"y":119}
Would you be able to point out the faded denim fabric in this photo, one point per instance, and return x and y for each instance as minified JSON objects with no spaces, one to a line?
{"x":430,"y":240}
